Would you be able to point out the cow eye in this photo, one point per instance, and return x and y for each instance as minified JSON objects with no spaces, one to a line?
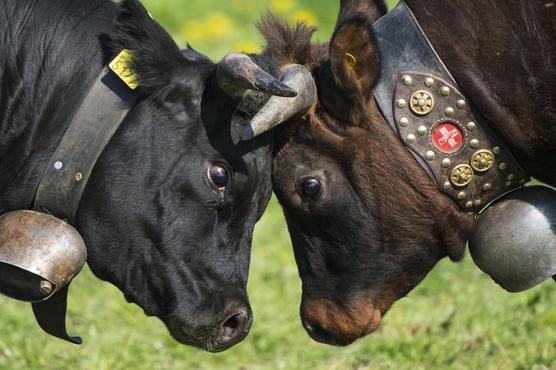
{"x":219,"y":176}
{"x":310,"y":188}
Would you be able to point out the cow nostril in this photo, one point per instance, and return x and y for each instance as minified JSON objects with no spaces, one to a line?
{"x":235,"y":328}
{"x":318,"y":333}
{"x":232,"y":324}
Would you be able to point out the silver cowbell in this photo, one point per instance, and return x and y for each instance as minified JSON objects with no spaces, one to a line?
{"x":515,"y":239}
{"x":39,"y":255}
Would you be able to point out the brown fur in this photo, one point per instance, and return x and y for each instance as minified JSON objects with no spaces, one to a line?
{"x":348,"y":322}
{"x":380,"y":224}
{"x":287,"y":45}
{"x":371,"y":10}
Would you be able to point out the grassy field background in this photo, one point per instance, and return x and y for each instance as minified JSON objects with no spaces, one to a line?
{"x":456,"y":319}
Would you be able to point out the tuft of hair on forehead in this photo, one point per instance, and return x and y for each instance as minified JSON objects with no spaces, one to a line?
{"x":287,"y":44}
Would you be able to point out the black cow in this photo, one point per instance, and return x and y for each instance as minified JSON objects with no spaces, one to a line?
{"x":169,"y":210}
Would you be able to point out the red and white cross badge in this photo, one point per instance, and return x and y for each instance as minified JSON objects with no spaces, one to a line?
{"x":447,"y":137}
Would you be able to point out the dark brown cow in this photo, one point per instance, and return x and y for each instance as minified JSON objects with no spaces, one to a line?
{"x":366,"y":221}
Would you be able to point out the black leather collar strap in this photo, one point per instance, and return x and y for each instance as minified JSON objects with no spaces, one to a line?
{"x":51,"y":316}
{"x":59,"y":192}
{"x":422,"y":102}
{"x":90,"y":130}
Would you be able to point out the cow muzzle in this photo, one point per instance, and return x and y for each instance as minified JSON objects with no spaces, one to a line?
{"x":212,"y":332}
{"x":330,"y":322}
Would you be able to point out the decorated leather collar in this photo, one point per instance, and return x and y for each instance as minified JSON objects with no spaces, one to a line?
{"x":62,"y":185}
{"x":422,"y":102}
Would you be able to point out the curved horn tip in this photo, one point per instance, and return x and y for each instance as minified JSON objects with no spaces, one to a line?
{"x":277,"y":88}
{"x":247,"y":133}
{"x":237,"y":73}
{"x":279,"y":109}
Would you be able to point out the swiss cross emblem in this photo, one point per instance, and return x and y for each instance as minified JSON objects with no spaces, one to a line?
{"x":447,"y":137}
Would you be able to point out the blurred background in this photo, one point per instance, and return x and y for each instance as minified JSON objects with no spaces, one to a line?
{"x":457,"y":319}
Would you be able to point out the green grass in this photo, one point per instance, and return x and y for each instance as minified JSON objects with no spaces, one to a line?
{"x":457,"y":319}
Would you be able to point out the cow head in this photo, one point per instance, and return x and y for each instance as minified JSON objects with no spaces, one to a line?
{"x":366,"y":221}
{"x":169,"y":212}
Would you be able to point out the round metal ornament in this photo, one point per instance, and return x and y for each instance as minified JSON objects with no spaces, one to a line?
{"x":421,"y":102}
{"x":514,"y":240}
{"x":447,"y":137}
{"x":461,"y":175}
{"x":482,"y":160}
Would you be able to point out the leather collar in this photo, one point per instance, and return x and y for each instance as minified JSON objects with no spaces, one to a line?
{"x":102,"y":111}
{"x":93,"y":125}
{"x":438,"y":124}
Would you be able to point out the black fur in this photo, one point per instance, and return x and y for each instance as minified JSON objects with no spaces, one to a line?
{"x":154,"y":224}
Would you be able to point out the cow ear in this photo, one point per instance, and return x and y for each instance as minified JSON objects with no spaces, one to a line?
{"x":354,"y":57}
{"x":156,"y":59}
{"x":370,"y":9}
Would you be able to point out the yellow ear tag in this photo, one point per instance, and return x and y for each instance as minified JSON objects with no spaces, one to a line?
{"x":350,"y":60}
{"x":121,"y":65}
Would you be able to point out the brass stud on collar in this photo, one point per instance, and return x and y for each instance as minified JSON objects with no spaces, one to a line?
{"x":446,"y":162}
{"x":461,"y":195}
{"x":411,"y":139}
{"x":449,"y":111}
{"x":78,"y":176}
{"x":404,"y":122}
{"x":511,"y":176}
{"x":474,"y":143}
{"x":469,"y":204}
{"x":401,"y":103}
{"x":445,"y":90}
{"x":461,"y":175}
{"x":460,"y":104}
{"x":430,"y":155}
{"x":487,"y":186}
{"x":508,"y":183}
{"x":477,"y":202}
{"x":447,"y":185}
{"x":422,"y":130}
{"x":502,"y":166}
{"x":471,"y":126}
{"x":429,"y":82}
{"x":496,"y":150}
{"x":482,"y":160}
{"x":421,"y":103}
{"x":407,"y":80}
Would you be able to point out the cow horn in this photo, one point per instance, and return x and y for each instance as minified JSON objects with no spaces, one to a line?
{"x":279,"y":109}
{"x":237,"y":73}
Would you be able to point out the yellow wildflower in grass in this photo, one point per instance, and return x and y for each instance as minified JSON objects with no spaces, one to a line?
{"x":304,"y":16}
{"x":219,"y":24}
{"x":215,"y":26}
{"x":194,"y":31}
{"x":282,"y":6}
{"x":246,"y":47}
